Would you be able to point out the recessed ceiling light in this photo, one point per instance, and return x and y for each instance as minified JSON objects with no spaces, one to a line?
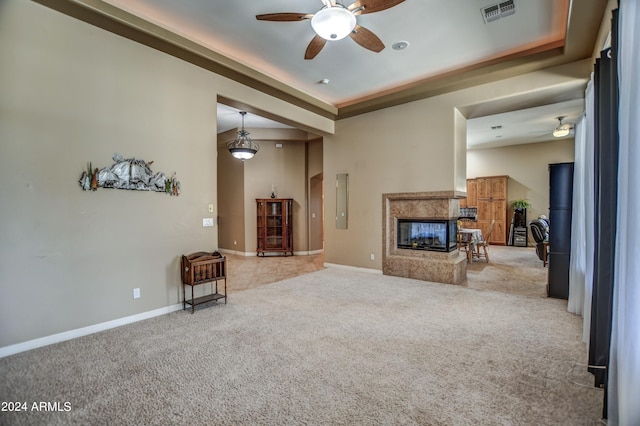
{"x":400,"y":45}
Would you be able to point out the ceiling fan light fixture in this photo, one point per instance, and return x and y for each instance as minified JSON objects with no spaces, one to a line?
{"x":243,"y":148}
{"x":333,"y":23}
{"x":561,"y":130}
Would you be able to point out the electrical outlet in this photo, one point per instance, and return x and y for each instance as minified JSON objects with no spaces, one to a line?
{"x":136,"y":293}
{"x":373,"y":256}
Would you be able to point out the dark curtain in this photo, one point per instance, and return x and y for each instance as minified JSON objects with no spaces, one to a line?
{"x":606,"y":173}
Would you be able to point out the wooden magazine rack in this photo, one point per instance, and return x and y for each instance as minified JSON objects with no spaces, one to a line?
{"x":201,"y":268}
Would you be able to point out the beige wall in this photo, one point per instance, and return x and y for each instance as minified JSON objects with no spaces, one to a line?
{"x":73,"y":93}
{"x":398,"y":149}
{"x":315,"y":165}
{"x":316,"y":195}
{"x":527,"y":168}
{"x":316,"y":220}
{"x":230,"y":184}
{"x":460,"y":151}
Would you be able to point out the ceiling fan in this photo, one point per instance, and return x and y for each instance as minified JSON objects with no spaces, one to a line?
{"x":336,"y":21}
{"x":562,"y":129}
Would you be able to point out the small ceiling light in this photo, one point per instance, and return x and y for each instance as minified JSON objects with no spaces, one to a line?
{"x":333,"y":22}
{"x":243,"y":148}
{"x":561,"y":130}
{"x":324,"y":81}
{"x":400,"y":45}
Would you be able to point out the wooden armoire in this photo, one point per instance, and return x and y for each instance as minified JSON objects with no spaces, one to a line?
{"x":489,"y":195}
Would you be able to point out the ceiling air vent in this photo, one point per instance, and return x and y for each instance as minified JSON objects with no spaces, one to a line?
{"x":498,"y":10}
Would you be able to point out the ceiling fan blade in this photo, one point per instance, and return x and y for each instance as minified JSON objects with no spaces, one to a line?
{"x":371,"y":6}
{"x":284,"y":16}
{"x":366,"y":39}
{"x":314,"y":47}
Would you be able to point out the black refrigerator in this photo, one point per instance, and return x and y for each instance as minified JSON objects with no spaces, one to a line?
{"x":560,"y":201}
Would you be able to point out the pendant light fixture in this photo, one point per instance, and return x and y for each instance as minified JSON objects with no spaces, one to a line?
{"x":561,"y":130}
{"x":243,"y":148}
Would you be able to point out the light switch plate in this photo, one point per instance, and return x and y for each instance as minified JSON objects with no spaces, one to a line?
{"x":207,"y":221}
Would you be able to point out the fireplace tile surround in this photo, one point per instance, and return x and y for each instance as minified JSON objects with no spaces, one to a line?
{"x":443,"y":267}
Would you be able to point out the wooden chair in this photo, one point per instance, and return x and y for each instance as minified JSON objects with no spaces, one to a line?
{"x":464,"y":244}
{"x":484,"y":244}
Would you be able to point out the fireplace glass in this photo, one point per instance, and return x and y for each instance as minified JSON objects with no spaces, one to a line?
{"x":435,"y":235}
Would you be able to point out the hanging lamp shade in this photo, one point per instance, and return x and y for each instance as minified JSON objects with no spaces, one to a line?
{"x":243,"y":148}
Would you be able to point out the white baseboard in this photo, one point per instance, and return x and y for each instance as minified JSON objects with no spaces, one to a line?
{"x":353,"y":268}
{"x":237,"y":253}
{"x":79,"y":332}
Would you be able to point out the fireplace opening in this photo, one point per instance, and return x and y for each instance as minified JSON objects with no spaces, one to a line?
{"x":426,"y":234}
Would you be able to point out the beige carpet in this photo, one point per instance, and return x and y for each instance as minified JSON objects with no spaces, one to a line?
{"x":328,"y":347}
{"x":515,"y":270}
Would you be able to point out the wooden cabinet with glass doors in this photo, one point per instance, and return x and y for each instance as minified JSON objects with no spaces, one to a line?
{"x":275,"y":225}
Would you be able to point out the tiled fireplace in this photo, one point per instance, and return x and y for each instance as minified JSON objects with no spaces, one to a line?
{"x":430,"y":213}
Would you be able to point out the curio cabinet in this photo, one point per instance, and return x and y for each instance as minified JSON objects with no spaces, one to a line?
{"x":275,"y":225}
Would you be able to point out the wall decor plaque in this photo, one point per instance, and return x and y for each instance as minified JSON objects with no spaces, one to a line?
{"x":128,"y":173}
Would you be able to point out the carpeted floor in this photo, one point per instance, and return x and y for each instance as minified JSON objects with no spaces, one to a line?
{"x":330,"y":347}
{"x":515,"y":270}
